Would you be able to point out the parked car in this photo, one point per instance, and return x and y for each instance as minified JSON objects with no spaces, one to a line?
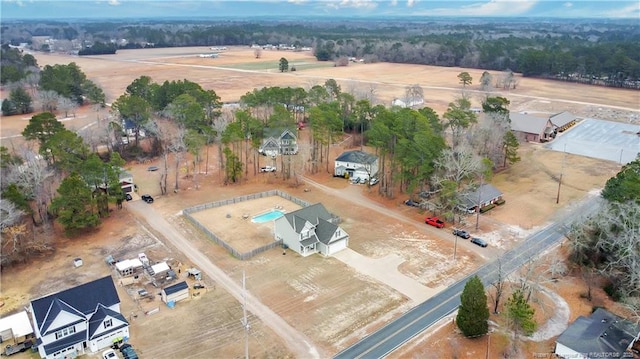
{"x":461,"y":233}
{"x":128,"y":197}
{"x":147,"y":198}
{"x":268,"y":169}
{"x":355,"y":180}
{"x":373,"y":181}
{"x":362,"y":181}
{"x":109,"y":354}
{"x":434,"y":221}
{"x":152,"y":168}
{"x":479,"y":241}
{"x":411,"y":203}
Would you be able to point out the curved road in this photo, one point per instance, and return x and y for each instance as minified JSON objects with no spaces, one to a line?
{"x":395,"y":334}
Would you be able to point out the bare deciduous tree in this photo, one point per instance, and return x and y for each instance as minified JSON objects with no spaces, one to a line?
{"x":67,"y":106}
{"x":48,"y":100}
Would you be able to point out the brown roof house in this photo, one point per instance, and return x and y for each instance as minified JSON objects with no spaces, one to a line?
{"x":562,"y":121}
{"x":531,"y":128}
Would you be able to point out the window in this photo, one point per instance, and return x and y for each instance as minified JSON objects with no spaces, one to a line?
{"x":65,"y":332}
{"x":108,"y":323}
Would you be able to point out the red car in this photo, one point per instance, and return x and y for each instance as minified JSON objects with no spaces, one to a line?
{"x":434,"y":221}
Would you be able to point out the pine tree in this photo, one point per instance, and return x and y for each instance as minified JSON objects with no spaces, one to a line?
{"x":520,"y":314}
{"x":473,"y":313}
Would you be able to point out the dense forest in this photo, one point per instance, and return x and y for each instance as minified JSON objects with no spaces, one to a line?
{"x":588,"y":51}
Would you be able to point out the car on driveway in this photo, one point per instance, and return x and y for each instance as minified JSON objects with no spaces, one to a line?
{"x":411,"y":203}
{"x":373,"y":181}
{"x":128,"y":197}
{"x":109,"y":354}
{"x":147,"y":198}
{"x":479,"y":241}
{"x":152,"y":168}
{"x":267,"y":169}
{"x":434,"y":221}
{"x":461,"y":233}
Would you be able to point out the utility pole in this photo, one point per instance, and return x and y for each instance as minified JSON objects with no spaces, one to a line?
{"x":245,"y":321}
{"x":455,"y":246}
{"x":561,"y":173}
{"x":479,"y":199}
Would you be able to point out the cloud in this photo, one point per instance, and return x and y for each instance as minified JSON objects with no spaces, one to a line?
{"x":567,"y":4}
{"x":357,"y":4}
{"x":410,"y":3}
{"x":394,"y":2}
{"x":17,"y":2}
{"x":114,"y":2}
{"x":629,"y":11}
{"x":489,"y":8}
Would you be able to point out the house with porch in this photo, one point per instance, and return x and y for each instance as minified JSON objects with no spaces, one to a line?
{"x":530,"y":128}
{"x":356,"y":163}
{"x":79,"y":320}
{"x":311,"y":230}
{"x":279,"y":141}
{"x":600,"y":335}
{"x":480,"y":198}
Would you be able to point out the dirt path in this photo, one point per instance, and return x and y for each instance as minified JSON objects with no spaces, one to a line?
{"x":297,"y":342}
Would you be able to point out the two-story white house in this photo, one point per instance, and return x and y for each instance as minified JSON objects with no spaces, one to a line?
{"x":311,"y":230}
{"x":82,"y":319}
{"x":356,"y":163}
{"x":279,"y":141}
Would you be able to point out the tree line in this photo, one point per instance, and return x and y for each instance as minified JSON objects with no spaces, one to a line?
{"x":589,"y":52}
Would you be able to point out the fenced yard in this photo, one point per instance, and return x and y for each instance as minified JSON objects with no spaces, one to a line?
{"x":228,"y":222}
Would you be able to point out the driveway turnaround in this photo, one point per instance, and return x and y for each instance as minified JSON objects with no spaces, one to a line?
{"x":385,"y":270}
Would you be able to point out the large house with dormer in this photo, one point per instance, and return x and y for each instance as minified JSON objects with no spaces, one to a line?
{"x":279,"y":141}
{"x":356,"y":163}
{"x":81,"y":319}
{"x":311,"y":230}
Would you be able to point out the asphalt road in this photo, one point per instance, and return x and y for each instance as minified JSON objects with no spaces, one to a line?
{"x":398,"y":332}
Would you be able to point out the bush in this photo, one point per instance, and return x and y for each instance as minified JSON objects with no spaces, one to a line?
{"x":487,"y":208}
{"x":612,"y":292}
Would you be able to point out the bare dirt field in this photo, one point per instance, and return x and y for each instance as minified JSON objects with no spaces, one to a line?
{"x":321,"y":297}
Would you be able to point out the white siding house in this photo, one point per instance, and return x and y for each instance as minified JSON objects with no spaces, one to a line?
{"x":601,"y":335}
{"x":279,"y":141}
{"x":356,"y":164}
{"x":311,"y":230}
{"x":70,"y":322}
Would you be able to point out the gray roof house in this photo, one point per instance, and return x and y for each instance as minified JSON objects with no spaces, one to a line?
{"x":601,"y":335}
{"x":311,"y":230}
{"x":481,"y":197}
{"x":562,"y":121}
{"x":279,"y":141}
{"x":79,"y":319}
{"x":356,"y":164}
{"x":531,"y":128}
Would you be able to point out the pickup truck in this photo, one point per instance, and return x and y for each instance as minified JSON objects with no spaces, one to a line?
{"x":17,"y":348}
{"x":434,"y":221}
{"x":267,"y":169}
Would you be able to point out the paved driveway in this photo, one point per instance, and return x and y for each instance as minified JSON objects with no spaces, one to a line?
{"x":607,"y":140}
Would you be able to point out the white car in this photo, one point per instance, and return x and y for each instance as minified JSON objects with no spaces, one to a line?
{"x":268,"y":169}
{"x":109,"y":354}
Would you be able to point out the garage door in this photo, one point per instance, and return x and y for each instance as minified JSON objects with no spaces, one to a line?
{"x":338,"y":246}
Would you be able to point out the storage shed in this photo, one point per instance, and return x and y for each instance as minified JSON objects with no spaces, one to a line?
{"x":175,"y":293}
{"x":15,"y":328}
{"x":158,"y":269}
{"x":128,"y":267}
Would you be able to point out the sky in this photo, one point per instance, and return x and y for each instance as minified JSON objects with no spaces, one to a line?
{"x":121,"y":9}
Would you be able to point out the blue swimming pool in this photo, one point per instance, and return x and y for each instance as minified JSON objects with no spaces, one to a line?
{"x":266,"y":217}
